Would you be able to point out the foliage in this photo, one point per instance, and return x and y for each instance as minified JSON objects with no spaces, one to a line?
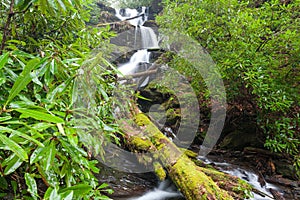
{"x":257,"y":49}
{"x":43,"y":151}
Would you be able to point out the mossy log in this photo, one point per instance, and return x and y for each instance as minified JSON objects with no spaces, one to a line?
{"x":193,"y":181}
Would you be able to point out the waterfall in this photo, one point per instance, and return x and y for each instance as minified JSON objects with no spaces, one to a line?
{"x":140,"y":61}
{"x":126,"y":13}
{"x":136,"y":63}
{"x":149,"y":38}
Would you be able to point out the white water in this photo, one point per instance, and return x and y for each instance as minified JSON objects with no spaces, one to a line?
{"x":164,"y":191}
{"x":251,"y":177}
{"x":127,"y":13}
{"x":140,"y":60}
{"x":149,"y":38}
{"x":134,"y":65}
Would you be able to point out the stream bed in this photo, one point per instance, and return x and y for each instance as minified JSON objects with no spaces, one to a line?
{"x":167,"y":191}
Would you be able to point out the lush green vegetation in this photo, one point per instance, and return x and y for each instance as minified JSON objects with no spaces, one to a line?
{"x":51,"y":82}
{"x":256,"y":47}
{"x":43,"y":44}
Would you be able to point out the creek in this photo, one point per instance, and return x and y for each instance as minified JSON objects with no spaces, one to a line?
{"x":140,"y":61}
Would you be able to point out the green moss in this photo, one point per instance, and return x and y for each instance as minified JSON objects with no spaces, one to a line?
{"x":159,"y":171}
{"x":243,"y":189}
{"x":189,"y":153}
{"x":189,"y":178}
{"x":140,"y":143}
{"x":185,"y":170}
{"x":141,"y":119}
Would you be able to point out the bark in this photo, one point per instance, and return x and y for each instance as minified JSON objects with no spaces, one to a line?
{"x":195,"y":182}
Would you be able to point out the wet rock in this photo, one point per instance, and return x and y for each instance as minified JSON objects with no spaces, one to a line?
{"x":285,"y":168}
{"x":237,"y":140}
{"x":150,"y":23}
{"x":126,"y":184}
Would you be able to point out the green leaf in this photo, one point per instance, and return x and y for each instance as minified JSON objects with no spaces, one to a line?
{"x":103,"y":185}
{"x":54,"y":195}
{"x":3,"y":59}
{"x":23,"y":135}
{"x":14,"y":147}
{"x":68,"y":195}
{"x":59,"y":89}
{"x":61,"y":5}
{"x":40,"y":152}
{"x":31,"y":184}
{"x":3,"y":183}
{"x":13,"y":163}
{"x":2,"y":119}
{"x":48,"y":193}
{"x":79,"y":190}
{"x":39,"y":115}
{"x":23,"y":79}
{"x":49,"y":157}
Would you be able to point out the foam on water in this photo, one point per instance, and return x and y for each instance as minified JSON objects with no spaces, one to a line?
{"x":164,"y":191}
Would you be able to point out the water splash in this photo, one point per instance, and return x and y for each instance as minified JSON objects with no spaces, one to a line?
{"x":164,"y":191}
{"x":137,"y":62}
{"x":248,"y":175}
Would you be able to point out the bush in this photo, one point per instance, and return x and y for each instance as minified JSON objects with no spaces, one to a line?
{"x":257,"y":49}
{"x":43,"y":151}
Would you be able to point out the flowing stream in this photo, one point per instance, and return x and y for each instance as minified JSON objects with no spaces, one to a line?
{"x":140,"y":62}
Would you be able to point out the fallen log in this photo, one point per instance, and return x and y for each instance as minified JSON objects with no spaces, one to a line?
{"x":194,"y":182}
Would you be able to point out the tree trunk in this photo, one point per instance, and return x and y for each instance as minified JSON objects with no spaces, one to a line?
{"x":194,"y":182}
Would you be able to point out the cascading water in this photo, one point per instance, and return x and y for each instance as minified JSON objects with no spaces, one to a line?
{"x":246,"y":174}
{"x":140,"y":61}
{"x":164,"y":191}
{"x":127,"y":13}
{"x":149,"y":39}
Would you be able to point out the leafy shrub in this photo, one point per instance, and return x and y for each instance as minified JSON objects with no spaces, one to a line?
{"x":43,"y":151}
{"x":256,"y":47}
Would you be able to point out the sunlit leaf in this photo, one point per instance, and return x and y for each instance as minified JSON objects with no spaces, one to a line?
{"x":3,"y":59}
{"x":49,"y":156}
{"x":14,"y":147}
{"x":18,"y":133}
{"x":2,"y":119}
{"x":79,"y":190}
{"x":23,"y":79}
{"x":31,"y":184}
{"x":39,"y":115}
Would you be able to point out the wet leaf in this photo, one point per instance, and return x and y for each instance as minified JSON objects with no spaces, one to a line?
{"x":39,"y":115}
{"x":14,"y":147}
{"x":79,"y":190}
{"x":23,"y":79}
{"x":23,"y":135}
{"x":3,"y":59}
{"x":31,"y":184}
{"x":12,"y":164}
